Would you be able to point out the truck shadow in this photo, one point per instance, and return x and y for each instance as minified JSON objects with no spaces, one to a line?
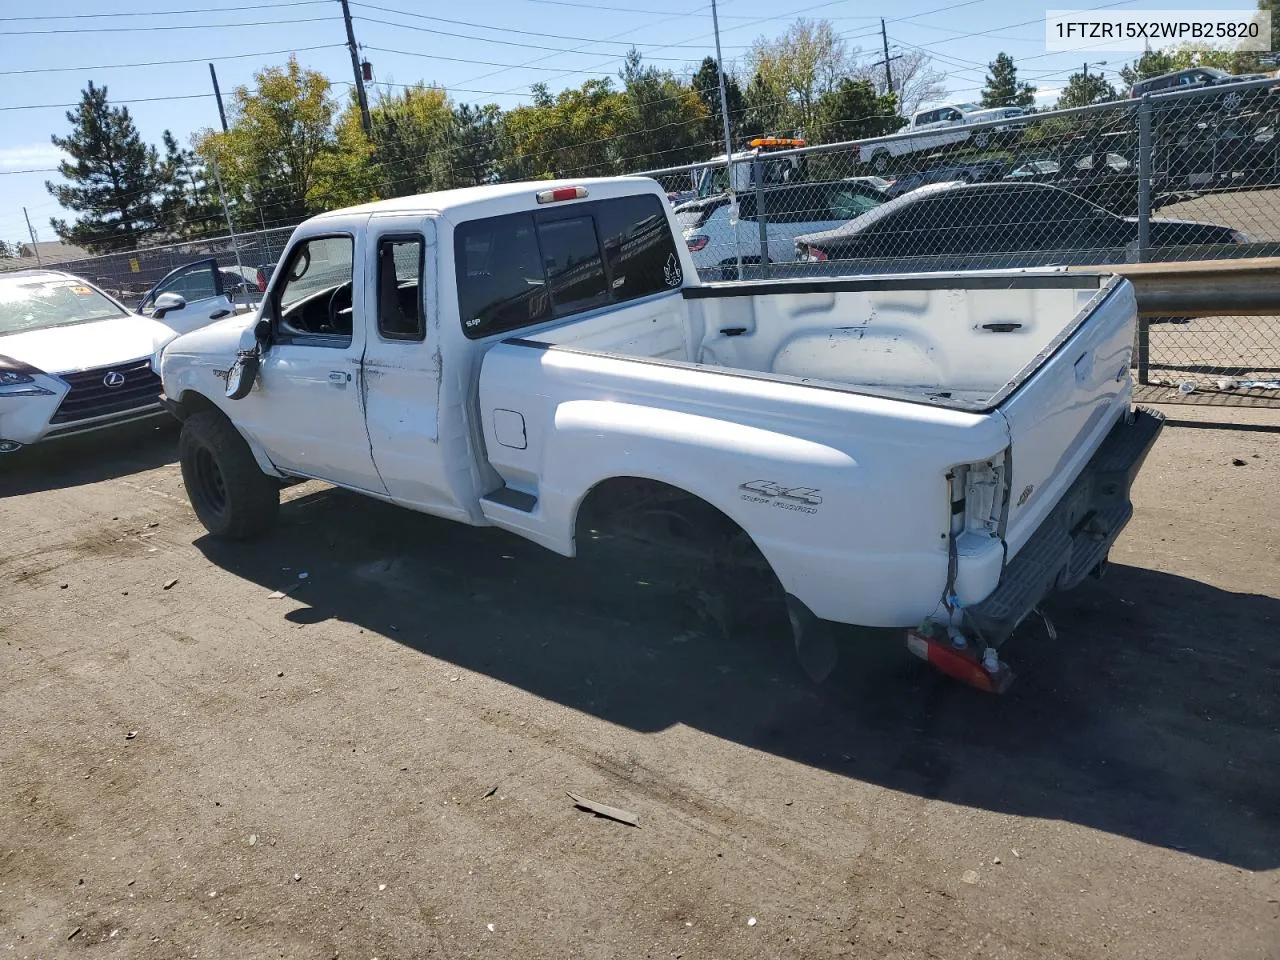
{"x":1154,"y":715}
{"x":90,"y":457}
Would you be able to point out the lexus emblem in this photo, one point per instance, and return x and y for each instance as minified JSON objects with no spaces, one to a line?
{"x":114,"y":378}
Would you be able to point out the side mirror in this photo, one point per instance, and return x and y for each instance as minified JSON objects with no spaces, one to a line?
{"x":262,"y":333}
{"x":167,"y":303}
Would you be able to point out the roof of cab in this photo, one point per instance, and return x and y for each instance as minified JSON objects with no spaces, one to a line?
{"x":449,"y":200}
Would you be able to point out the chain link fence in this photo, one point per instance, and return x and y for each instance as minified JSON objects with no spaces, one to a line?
{"x":1189,"y":175}
{"x":128,"y":275}
{"x":1184,"y":176}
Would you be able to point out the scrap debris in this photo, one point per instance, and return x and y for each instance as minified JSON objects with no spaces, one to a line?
{"x":604,"y":810}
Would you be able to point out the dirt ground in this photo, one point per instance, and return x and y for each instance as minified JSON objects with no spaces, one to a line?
{"x":376,"y":765}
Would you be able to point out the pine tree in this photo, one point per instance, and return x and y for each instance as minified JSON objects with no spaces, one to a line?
{"x":189,"y":204}
{"x":114,"y":177}
{"x":706,"y":84}
{"x":1002,"y":88}
{"x":1083,"y":89}
{"x":1152,"y":63}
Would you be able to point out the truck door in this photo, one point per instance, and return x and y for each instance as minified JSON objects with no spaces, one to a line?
{"x":306,"y":406}
{"x":402,"y":366}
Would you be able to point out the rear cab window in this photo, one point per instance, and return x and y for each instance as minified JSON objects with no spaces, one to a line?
{"x":400,"y":272}
{"x":522,"y":269}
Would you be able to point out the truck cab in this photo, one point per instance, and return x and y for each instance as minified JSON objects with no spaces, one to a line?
{"x":777,"y":170}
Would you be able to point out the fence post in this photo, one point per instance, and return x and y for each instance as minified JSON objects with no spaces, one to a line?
{"x":1143,"y":346}
{"x":1144,"y":177}
{"x":762,"y":215}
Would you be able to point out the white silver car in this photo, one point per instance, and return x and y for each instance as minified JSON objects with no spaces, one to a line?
{"x":73,"y":358}
{"x":716,"y":231}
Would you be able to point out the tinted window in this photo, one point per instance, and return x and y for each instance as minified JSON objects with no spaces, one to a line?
{"x":400,"y":288}
{"x":574,"y":267}
{"x":638,"y":247}
{"x":524,"y":268}
{"x":501,"y":283}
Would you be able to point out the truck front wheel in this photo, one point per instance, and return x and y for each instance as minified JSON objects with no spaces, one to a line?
{"x":232,"y":497}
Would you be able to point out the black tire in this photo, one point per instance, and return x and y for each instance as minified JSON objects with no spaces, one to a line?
{"x":880,"y":162}
{"x":232,"y":497}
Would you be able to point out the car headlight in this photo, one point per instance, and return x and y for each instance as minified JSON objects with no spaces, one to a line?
{"x":697,"y":241}
{"x":17,"y":380}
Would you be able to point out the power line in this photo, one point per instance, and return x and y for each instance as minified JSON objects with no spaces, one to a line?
{"x":10,"y":173}
{"x":51,"y":106}
{"x":484,"y":26}
{"x":183,"y":26}
{"x":506,"y":43}
{"x":740,"y":26}
{"x":164,"y":13}
{"x":487,"y":63}
{"x":165,"y":63}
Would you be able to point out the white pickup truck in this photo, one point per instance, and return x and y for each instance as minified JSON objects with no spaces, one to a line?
{"x":942,"y":450}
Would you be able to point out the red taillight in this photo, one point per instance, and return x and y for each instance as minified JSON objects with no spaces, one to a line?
{"x":815,"y":255}
{"x":262,"y":281}
{"x":562,"y":193}
{"x":697,"y":242}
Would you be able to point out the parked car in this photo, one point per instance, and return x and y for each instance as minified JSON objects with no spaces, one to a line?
{"x":941,"y":127}
{"x":74,"y":359}
{"x":1194,"y":78}
{"x":206,"y":289}
{"x":977,"y":171}
{"x":1108,"y":179}
{"x":956,"y":226}
{"x":1216,"y":153}
{"x":715,"y":231}
{"x":1000,"y":132}
{"x":542,"y":357}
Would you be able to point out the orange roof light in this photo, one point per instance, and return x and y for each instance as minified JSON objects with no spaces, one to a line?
{"x":776,"y":142}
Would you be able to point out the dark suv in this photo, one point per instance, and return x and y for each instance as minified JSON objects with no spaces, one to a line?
{"x":1199,"y":78}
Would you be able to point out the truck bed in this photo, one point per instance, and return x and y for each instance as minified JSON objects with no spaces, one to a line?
{"x":963,"y":342}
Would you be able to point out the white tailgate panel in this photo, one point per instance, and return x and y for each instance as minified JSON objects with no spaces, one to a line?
{"x":1060,"y":414}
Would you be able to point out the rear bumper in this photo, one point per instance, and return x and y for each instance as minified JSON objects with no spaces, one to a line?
{"x":1076,"y":535}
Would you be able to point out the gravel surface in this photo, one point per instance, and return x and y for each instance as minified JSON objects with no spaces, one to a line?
{"x":377,"y":763}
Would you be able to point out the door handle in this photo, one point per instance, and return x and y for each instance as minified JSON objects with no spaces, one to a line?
{"x":339,"y":377}
{"x":219,"y":314}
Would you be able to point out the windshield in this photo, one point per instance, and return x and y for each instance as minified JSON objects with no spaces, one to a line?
{"x":39,"y":301}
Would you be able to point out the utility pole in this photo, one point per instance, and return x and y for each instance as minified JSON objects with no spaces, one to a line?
{"x":35,"y":247}
{"x":728,"y":138}
{"x":365,"y":122}
{"x":222,"y":114}
{"x":888,"y":74}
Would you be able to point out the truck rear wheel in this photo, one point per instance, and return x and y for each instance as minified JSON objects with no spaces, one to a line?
{"x":232,"y":497}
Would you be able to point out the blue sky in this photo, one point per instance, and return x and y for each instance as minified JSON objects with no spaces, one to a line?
{"x":66,"y":48}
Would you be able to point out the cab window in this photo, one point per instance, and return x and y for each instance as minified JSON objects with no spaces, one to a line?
{"x":522,"y":269}
{"x":400,"y":288}
{"x":314,"y":303}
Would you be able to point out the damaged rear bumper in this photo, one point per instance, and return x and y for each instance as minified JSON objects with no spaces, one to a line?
{"x":1075,"y":537}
